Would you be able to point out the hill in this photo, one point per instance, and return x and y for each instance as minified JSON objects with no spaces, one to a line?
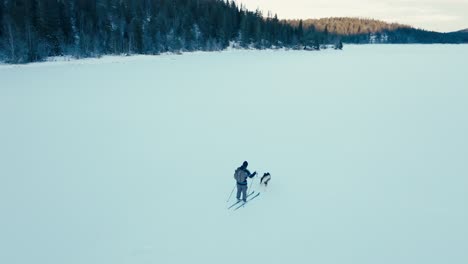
{"x":364,"y":31}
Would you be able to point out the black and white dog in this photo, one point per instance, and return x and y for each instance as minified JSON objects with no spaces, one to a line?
{"x":265,"y":178}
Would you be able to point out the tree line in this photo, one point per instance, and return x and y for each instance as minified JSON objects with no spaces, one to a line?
{"x":364,"y":31}
{"x":32,"y":30}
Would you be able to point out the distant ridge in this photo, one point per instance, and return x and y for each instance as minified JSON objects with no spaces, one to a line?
{"x":365,"y":31}
{"x":350,"y":25}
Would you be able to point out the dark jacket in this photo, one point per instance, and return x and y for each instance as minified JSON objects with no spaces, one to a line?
{"x":250,"y":175}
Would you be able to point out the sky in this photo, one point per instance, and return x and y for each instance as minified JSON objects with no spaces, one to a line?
{"x":436,"y":15}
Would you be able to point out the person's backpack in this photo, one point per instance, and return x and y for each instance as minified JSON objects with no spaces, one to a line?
{"x":240,"y":175}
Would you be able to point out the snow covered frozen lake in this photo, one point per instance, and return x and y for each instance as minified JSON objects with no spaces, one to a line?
{"x":131,"y":160}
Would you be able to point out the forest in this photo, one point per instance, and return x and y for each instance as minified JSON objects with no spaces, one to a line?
{"x":33,"y":30}
{"x":368,"y":31}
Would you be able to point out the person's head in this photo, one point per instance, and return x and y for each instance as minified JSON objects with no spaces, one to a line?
{"x":245,"y":164}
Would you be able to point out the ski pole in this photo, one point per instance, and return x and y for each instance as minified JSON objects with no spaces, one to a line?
{"x":231,"y":193}
{"x":249,"y":190}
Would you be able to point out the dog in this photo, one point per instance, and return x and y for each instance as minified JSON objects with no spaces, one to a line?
{"x":265,"y":178}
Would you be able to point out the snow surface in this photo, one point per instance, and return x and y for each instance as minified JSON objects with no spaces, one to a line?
{"x":131,"y":159}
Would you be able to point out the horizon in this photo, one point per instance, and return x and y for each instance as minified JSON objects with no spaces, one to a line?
{"x":432,"y":15}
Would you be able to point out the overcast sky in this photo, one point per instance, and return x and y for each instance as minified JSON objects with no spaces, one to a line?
{"x":438,"y":15}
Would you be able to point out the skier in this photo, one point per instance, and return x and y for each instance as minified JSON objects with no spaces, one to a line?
{"x":265,"y":179}
{"x":241,"y":175}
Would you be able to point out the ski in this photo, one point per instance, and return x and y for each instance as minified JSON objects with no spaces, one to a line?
{"x":236,"y":203}
{"x":242,"y":205}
